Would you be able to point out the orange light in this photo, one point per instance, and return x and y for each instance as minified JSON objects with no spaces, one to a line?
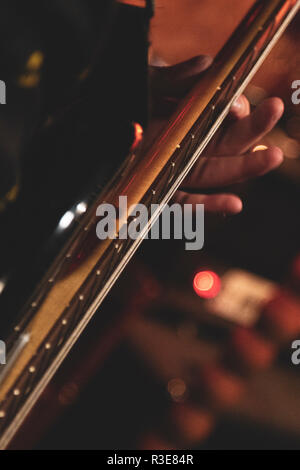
{"x":135,"y":3}
{"x":138,"y":135}
{"x":207,"y":284}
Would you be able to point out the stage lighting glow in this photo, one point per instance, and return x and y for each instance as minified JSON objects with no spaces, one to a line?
{"x":207,"y":284}
{"x":138,"y":135}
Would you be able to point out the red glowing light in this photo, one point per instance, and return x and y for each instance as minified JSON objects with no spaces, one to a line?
{"x":138,"y":135}
{"x":207,"y":284}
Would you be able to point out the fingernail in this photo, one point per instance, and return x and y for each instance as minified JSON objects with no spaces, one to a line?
{"x":204,"y":61}
{"x":237,"y":104}
{"x":259,"y":148}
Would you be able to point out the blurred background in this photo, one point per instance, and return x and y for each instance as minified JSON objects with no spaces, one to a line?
{"x":202,"y":356}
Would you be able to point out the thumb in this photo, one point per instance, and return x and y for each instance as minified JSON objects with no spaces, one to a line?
{"x":182,"y":70}
{"x":179,"y":78}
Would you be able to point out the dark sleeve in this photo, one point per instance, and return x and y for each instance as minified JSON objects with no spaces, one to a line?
{"x":44,"y":47}
{"x":21,"y":61}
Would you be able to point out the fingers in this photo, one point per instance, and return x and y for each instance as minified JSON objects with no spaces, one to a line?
{"x":246,"y":132}
{"x":240,"y":108}
{"x":218,"y":203}
{"x":212,"y":172}
{"x":177,"y":80}
{"x":188,"y":68}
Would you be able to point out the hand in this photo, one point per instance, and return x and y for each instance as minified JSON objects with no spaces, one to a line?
{"x":228,"y":158}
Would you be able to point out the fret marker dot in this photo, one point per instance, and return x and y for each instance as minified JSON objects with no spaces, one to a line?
{"x":16,"y":392}
{"x":2,"y":414}
{"x":32,"y":369}
{"x":47,"y":346}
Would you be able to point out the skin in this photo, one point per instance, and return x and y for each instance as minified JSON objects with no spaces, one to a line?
{"x":229,"y":156}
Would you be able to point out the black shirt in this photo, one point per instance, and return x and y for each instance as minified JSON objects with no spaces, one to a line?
{"x":76,"y":76}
